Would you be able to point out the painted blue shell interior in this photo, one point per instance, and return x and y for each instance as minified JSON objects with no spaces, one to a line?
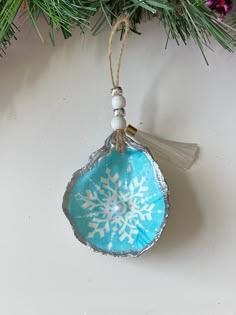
{"x":118,"y":205}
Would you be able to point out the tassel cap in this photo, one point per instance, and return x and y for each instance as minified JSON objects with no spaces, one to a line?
{"x":131,"y":131}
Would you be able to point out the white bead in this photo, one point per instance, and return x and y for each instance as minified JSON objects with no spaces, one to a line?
{"x":118,"y":101}
{"x":118,"y":123}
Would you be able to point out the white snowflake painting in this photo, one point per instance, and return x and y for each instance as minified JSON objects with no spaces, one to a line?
{"x":119,"y":207}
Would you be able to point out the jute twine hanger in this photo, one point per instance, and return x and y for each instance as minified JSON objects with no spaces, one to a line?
{"x":120,"y":145}
{"x":122,"y":19}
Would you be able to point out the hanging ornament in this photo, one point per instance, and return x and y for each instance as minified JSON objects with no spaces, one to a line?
{"x":117,"y":204}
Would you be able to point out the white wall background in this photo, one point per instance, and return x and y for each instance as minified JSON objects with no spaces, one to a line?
{"x":54,"y":111}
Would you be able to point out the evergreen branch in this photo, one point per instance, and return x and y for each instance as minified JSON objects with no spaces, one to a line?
{"x":8,"y":11}
{"x":181,"y":18}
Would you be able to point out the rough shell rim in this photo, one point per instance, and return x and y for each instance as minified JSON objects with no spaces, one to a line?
{"x":93,"y":160}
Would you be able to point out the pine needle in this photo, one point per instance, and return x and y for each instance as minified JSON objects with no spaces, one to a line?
{"x":182,"y":19}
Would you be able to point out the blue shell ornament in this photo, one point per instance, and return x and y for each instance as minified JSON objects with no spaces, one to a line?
{"x":118,"y":203}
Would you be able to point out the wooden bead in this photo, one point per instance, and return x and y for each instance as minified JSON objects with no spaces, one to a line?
{"x":118,"y":123}
{"x":118,"y":101}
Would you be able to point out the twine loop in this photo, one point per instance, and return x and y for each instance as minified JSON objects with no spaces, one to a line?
{"x":122,"y":19}
{"x":117,"y":90}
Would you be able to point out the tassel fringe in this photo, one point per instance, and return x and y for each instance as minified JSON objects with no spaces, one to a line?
{"x":182,"y":155}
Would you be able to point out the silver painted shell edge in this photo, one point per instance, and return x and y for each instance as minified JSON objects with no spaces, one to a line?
{"x":93,"y":160}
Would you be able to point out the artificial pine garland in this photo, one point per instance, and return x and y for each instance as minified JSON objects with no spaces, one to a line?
{"x":199,"y":19}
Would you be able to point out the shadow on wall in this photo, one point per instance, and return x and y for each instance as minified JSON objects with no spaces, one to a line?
{"x":185,"y":218}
